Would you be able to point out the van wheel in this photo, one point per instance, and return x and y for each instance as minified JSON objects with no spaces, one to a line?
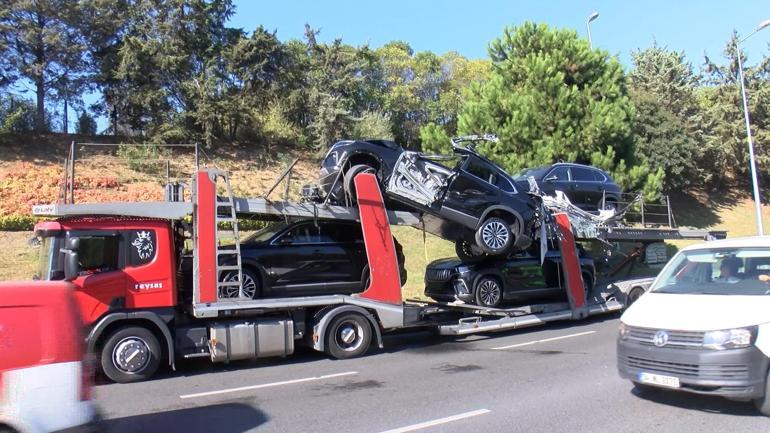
{"x":130,"y":354}
{"x":763,"y":403}
{"x":349,"y":336}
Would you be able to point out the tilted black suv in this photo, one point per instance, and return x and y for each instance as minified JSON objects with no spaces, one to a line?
{"x":587,"y":187}
{"x":476,"y":204}
{"x":490,"y":283}
{"x":305,"y":258}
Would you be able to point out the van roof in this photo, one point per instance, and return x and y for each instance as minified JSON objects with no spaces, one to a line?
{"x":742,"y":242}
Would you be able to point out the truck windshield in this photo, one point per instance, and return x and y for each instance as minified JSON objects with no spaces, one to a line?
{"x":49,"y":260}
{"x":719,"y":271}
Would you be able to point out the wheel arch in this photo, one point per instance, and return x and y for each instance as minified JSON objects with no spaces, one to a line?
{"x":147,"y":319}
{"x":503,"y":212}
{"x":324,"y":316}
{"x":364,"y":157}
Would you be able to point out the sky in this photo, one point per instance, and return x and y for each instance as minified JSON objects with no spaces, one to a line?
{"x":467,"y":27}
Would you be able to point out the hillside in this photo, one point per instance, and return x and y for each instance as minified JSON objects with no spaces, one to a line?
{"x":30,"y":173}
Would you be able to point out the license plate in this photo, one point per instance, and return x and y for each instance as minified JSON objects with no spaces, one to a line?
{"x":659,"y":379}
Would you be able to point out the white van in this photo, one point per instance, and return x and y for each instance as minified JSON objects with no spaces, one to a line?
{"x":704,"y":326}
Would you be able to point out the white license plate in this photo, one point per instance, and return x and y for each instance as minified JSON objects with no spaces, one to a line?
{"x":659,"y":379}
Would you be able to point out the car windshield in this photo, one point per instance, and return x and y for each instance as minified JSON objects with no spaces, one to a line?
{"x":718,"y":271}
{"x":266,"y":233}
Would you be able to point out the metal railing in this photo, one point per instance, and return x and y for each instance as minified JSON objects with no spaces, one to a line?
{"x":640,"y":212}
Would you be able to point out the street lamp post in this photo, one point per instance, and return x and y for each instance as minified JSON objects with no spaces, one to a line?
{"x":591,"y":17}
{"x":752,"y":161}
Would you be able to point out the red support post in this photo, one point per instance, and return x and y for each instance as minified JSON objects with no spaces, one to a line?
{"x":205,"y":237}
{"x":571,"y":265}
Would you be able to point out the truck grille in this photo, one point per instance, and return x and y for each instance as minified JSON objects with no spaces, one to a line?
{"x":676,"y":339}
{"x":438,"y":274}
{"x":694,"y":371}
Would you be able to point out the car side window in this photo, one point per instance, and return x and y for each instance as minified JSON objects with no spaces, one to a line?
{"x":600,"y":177}
{"x":298,"y":235}
{"x":561,"y":174}
{"x":99,"y":253}
{"x":581,"y":174}
{"x":482,"y":172}
{"x":343,"y":233}
{"x":504,"y":184}
{"x":323,"y":233}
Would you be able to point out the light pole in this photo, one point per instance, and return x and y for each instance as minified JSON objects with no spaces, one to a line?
{"x":753,"y":162}
{"x":591,"y":17}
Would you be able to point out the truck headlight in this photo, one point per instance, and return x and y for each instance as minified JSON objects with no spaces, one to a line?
{"x":729,"y":338}
{"x":623,"y":331}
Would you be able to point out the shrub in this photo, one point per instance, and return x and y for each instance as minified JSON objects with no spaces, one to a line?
{"x":142,"y":158}
{"x":373,"y":124}
{"x":86,"y":124}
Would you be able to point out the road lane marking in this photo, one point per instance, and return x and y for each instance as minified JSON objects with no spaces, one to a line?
{"x":267,"y":385}
{"x":439,"y":421}
{"x":529,"y":343}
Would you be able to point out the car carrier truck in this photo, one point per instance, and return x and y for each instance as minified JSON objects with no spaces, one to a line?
{"x":143,"y":310}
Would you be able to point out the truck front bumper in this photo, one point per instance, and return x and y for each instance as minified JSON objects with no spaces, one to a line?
{"x":735,"y":373}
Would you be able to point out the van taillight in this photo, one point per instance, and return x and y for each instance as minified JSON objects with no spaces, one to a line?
{"x":87,"y":372}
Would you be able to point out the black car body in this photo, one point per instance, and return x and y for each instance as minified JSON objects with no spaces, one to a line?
{"x":490,"y":283}
{"x":475,"y":203}
{"x":584,"y":185}
{"x":305,"y":258}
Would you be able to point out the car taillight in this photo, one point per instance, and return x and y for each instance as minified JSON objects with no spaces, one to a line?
{"x":87,"y":377}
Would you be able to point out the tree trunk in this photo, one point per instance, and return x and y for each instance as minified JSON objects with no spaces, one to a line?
{"x":40,"y":114}
{"x":66,"y":118}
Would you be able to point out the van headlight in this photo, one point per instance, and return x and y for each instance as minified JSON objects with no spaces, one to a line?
{"x":623,"y":331}
{"x":729,"y":338}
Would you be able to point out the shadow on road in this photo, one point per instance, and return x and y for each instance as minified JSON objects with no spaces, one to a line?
{"x":221,"y":418}
{"x":702,"y":403}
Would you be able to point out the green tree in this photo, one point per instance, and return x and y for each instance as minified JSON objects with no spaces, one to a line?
{"x":667,"y":128}
{"x":44,"y":45}
{"x":549,"y":98}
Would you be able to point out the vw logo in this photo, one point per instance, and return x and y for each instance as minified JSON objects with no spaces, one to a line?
{"x":660,"y":339}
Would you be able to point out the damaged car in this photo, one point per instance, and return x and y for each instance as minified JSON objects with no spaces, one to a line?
{"x":475,"y":203}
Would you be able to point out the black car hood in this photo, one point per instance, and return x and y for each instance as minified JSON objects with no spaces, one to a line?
{"x":447,"y":263}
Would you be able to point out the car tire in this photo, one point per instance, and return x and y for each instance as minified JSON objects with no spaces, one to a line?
{"x":347,"y":182}
{"x":633,"y":295}
{"x":123,"y":347}
{"x":252,"y":287}
{"x":763,"y":403}
{"x":488,"y":292}
{"x":469,"y":252}
{"x":494,"y":236}
{"x":348,"y":336}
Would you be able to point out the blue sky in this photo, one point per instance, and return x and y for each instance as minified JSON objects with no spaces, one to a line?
{"x":468,"y":26}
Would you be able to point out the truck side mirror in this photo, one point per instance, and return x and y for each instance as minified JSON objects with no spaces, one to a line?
{"x":71,"y":259}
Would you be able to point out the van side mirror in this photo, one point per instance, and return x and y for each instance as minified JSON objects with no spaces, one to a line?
{"x":71,"y":259}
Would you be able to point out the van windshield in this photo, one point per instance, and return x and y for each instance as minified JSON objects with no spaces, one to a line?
{"x":718,"y":271}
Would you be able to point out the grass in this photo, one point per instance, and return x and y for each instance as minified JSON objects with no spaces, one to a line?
{"x":17,"y":259}
{"x":417,"y":256}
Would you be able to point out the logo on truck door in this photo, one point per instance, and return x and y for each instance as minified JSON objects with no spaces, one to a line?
{"x":143,"y":244}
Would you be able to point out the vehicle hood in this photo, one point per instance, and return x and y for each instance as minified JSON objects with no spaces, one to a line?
{"x":697,"y":312}
{"x":448,"y":263}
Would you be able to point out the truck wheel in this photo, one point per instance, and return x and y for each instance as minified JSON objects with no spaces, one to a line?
{"x":489,"y":292}
{"x":349,"y":336}
{"x":130,"y":354}
{"x":347,"y":182}
{"x":763,"y":403}
{"x":494,"y":236}
{"x":469,"y":252}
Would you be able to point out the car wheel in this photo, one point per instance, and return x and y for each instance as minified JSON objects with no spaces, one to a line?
{"x":494,"y":236}
{"x":130,"y":354}
{"x":489,"y":292}
{"x":763,"y":403}
{"x":347,"y":182}
{"x":611,"y":205}
{"x":633,"y":295}
{"x":251,"y":285}
{"x":469,"y":252}
{"x":348,"y":336}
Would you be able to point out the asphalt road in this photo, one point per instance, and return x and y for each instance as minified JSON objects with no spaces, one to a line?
{"x":558,"y":378}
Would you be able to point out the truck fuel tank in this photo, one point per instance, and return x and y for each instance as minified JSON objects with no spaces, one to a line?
{"x":234,"y":340}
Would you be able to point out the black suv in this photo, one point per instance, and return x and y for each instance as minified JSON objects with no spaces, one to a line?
{"x":587,"y":187}
{"x":517,"y":278}
{"x":476,"y":203}
{"x":305,"y":258}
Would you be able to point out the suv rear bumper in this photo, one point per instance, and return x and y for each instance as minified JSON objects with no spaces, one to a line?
{"x":735,"y":373}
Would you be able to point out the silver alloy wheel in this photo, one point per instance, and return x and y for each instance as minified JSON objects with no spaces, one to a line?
{"x":495,"y":234}
{"x":489,"y":292}
{"x":131,"y":355}
{"x":349,"y":335}
{"x":249,"y":286}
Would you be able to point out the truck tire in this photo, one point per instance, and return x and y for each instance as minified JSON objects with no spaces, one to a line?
{"x":130,"y":354}
{"x":489,"y":292}
{"x":494,"y":236}
{"x":347,"y":181}
{"x":763,"y":403}
{"x":348,"y":336}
